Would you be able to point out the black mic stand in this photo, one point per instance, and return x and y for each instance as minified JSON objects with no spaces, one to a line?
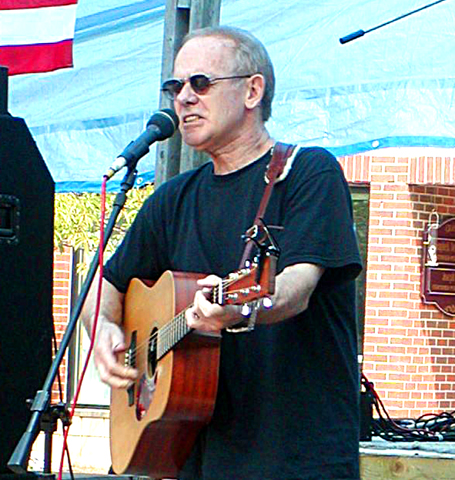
{"x":44,"y":415}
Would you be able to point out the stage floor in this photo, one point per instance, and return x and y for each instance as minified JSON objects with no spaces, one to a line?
{"x":383,"y":460}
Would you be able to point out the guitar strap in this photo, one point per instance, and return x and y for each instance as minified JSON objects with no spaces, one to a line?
{"x":277,"y":170}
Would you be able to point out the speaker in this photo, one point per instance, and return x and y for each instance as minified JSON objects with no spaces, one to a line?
{"x":26,"y":267}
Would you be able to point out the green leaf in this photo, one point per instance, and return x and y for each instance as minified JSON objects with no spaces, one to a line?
{"x":77,"y":220}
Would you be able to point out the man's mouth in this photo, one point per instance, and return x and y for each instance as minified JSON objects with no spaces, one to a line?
{"x":191,"y":118}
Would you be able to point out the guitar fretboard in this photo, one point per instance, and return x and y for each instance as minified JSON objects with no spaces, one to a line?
{"x":172,"y":333}
{"x":177,"y":329}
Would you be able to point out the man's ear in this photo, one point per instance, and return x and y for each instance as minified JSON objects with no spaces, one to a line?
{"x":255,"y":92}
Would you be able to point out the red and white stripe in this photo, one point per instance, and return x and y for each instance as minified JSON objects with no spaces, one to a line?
{"x":36,"y":35}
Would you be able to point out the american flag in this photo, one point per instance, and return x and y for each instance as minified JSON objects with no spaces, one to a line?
{"x":36,"y":35}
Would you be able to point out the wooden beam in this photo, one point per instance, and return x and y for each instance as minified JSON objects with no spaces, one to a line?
{"x":407,"y":467}
{"x":3,"y":90}
{"x":181,"y":17}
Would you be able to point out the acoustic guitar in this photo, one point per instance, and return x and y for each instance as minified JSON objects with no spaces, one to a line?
{"x":155,"y":422}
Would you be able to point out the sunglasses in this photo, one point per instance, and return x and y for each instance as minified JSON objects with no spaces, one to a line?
{"x":200,"y":84}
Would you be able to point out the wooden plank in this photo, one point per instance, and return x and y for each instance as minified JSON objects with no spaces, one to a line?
{"x":3,"y":90}
{"x":203,"y":13}
{"x":406,"y":467}
{"x":176,"y":24}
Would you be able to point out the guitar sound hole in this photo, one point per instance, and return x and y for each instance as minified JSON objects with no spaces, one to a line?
{"x":130,"y":361}
{"x":152,"y":360}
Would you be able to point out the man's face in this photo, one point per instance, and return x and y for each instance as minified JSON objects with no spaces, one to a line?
{"x":212,"y":120}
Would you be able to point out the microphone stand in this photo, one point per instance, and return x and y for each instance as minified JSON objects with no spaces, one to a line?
{"x":41,"y":406}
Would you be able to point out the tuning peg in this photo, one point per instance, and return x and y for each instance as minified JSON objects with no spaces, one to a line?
{"x":267,"y":303}
{"x":246,"y":310}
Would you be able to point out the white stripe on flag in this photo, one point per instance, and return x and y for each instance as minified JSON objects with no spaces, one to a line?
{"x":37,"y":25}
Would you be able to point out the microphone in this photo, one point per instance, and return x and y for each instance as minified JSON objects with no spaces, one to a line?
{"x":161,"y":126}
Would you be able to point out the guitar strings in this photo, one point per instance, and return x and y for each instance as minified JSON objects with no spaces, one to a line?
{"x":173,"y":324}
{"x":163,"y":331}
{"x":176,"y":323}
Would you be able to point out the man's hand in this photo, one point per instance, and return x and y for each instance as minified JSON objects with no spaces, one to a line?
{"x":209,"y":317}
{"x":294,"y":286}
{"x":109,"y":342}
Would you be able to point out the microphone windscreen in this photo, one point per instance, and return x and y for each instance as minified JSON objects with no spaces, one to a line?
{"x":167,"y":122}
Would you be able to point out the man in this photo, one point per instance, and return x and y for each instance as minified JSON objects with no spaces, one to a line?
{"x":287,"y":404}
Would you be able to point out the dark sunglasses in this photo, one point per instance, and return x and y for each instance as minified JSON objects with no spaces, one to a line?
{"x":200,"y":84}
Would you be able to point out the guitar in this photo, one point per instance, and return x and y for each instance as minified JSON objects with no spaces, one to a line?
{"x":155,"y":422}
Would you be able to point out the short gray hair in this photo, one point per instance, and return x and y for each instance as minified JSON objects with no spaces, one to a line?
{"x":250,"y":56}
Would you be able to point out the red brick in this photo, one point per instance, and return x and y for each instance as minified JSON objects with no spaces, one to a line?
{"x":394,"y":240}
{"x":382,"y":178}
{"x":378,"y":249}
{"x":396,"y":169}
{"x":393,"y":313}
{"x":393,"y":294}
{"x":398,"y":395}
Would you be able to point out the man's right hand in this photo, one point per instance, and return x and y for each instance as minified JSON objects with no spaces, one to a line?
{"x":109,"y":342}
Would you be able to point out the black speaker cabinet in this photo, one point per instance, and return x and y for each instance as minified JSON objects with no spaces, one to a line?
{"x":26,"y":266}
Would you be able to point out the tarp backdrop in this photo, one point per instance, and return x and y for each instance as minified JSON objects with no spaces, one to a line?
{"x":392,"y":87}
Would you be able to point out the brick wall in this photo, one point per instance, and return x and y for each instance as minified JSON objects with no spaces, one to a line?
{"x":409,"y":347}
{"x":63,"y":272}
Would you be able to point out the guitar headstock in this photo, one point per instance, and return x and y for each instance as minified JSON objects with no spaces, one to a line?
{"x":247,"y":284}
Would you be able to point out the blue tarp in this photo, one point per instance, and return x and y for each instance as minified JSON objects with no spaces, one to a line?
{"x":392,"y":87}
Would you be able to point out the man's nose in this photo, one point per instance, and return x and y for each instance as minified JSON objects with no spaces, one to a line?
{"x":187,"y":94}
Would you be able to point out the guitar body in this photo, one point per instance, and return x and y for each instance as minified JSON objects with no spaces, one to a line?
{"x":155,"y":423}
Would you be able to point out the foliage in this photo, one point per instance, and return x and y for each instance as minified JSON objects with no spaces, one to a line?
{"x":77,"y":219}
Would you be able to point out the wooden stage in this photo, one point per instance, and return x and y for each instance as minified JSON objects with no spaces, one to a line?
{"x":383,"y":460}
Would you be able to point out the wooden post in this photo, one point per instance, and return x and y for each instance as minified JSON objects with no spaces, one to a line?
{"x":3,"y":90}
{"x":181,"y":17}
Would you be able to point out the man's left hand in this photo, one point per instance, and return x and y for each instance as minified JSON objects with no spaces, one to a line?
{"x":209,"y":317}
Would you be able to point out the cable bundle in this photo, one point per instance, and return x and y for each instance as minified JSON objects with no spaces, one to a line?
{"x":430,"y":427}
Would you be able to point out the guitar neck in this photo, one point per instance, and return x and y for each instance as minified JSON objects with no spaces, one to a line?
{"x":177,"y":329}
{"x":171,"y":334}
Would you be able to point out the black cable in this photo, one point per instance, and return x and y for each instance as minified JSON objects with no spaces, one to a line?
{"x":361,"y":33}
{"x":403,"y":16}
{"x":434,"y":427}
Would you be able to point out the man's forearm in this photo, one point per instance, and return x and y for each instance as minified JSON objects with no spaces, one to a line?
{"x":111,"y":308}
{"x":294,"y":286}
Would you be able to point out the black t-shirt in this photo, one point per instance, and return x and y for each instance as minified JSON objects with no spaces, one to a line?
{"x":287,"y":404}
